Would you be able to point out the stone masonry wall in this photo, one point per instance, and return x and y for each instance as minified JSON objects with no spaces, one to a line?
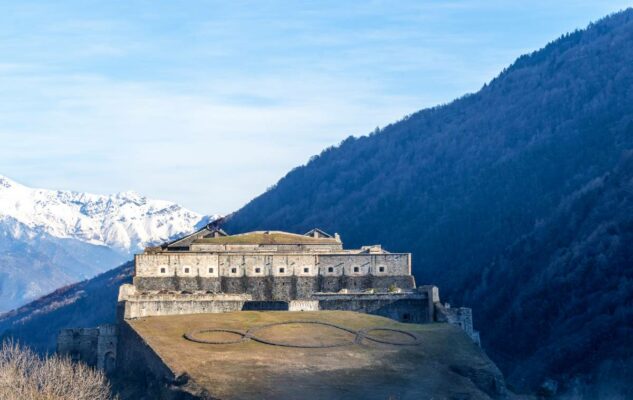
{"x":403,"y":307}
{"x":144,"y":306}
{"x":205,"y":265}
{"x":139,"y":365}
{"x":94,"y":346}
{"x":283,"y":288}
{"x":80,"y":344}
{"x":461,"y":316}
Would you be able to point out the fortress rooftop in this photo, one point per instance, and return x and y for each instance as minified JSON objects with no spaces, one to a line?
{"x":268,"y":237}
{"x":328,"y":363}
{"x":211,"y":238}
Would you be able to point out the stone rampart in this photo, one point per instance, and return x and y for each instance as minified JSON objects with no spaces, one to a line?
{"x":236,"y":265}
{"x":136,"y":305}
{"x":461,"y":316}
{"x":96,"y":347}
{"x":142,"y":368}
{"x":80,"y":344}
{"x":283,"y":288}
{"x":403,"y":307}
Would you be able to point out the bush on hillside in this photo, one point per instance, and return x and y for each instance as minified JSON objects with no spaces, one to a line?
{"x":26,"y":376}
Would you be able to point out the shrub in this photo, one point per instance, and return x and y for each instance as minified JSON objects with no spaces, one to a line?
{"x":26,"y":376}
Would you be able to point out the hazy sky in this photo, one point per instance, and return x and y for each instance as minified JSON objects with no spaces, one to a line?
{"x":209,"y":103}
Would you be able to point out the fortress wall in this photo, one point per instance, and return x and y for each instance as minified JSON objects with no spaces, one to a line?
{"x":406,"y":307}
{"x":305,"y":286}
{"x":205,"y":265}
{"x":176,"y":305}
{"x":403,"y":308}
{"x":388,"y":264}
{"x":331,"y":284}
{"x":282,"y":288}
{"x":94,"y":346}
{"x":174,"y":283}
{"x":461,"y":316}
{"x":384,"y":282}
{"x":138,"y":362}
{"x":144,"y":374}
{"x":79,"y":344}
{"x":107,"y":348}
{"x":176,"y":264}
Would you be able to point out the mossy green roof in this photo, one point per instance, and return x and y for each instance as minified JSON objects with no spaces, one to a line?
{"x":266,"y":237}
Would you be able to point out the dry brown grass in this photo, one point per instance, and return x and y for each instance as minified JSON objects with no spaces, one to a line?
{"x":26,"y":376}
{"x":251,"y":370}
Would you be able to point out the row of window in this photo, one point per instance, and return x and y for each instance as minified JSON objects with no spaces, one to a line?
{"x":258,"y":270}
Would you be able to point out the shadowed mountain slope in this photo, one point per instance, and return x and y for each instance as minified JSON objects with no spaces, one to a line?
{"x":84,"y":304}
{"x":460,"y":184}
{"x":34,"y":263}
{"x":565,"y":291}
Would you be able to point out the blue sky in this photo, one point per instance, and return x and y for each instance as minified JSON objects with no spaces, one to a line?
{"x":209,"y":103}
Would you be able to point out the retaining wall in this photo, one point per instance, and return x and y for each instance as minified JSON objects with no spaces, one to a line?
{"x":274,"y":288}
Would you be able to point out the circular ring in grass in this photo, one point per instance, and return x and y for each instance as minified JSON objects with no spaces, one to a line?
{"x":194,"y":336}
{"x":412,"y":339}
{"x":323,"y":340}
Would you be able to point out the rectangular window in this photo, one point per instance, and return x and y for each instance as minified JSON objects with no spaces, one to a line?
{"x":210,"y":270}
{"x":381,"y":269}
{"x":356,"y":269}
{"x":306,"y":270}
{"x":282,"y":270}
{"x":186,"y":270}
{"x":258,"y":270}
{"x":330,"y":269}
{"x":162,"y":270}
{"x":233,"y":270}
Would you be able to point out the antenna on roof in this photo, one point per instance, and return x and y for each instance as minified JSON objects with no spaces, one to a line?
{"x":215,"y":228}
{"x":216,"y":224}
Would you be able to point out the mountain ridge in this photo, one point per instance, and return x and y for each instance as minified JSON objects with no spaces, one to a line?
{"x":459,"y":184}
{"x":52,"y":238}
{"x":125,"y":221}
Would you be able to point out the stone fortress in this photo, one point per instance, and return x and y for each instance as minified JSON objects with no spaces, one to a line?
{"x":210,"y":272}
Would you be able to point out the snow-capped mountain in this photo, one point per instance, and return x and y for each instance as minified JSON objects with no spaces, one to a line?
{"x":126,"y":222}
{"x":51,"y":238}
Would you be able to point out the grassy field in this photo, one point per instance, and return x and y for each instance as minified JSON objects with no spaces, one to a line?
{"x":446,"y":364}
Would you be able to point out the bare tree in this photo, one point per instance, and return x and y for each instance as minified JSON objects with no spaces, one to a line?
{"x":26,"y":376}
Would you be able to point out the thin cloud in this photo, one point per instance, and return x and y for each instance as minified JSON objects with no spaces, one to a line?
{"x":210,"y":103}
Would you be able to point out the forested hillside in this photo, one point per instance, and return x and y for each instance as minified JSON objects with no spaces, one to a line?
{"x":33,"y":263}
{"x":84,"y":304}
{"x":563,"y":294}
{"x":483,"y":191}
